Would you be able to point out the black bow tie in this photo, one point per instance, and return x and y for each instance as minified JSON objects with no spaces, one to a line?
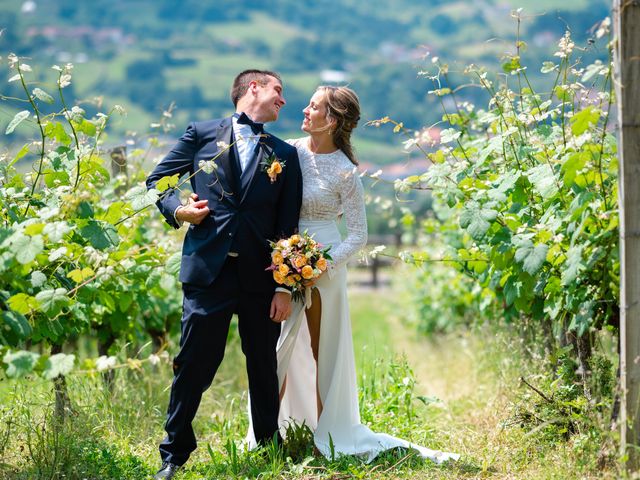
{"x":256,"y":128}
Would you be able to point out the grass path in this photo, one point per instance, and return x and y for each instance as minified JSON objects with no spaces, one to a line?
{"x":476,"y":379}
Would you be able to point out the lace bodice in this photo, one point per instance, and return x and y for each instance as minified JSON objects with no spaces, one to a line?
{"x":331,"y":187}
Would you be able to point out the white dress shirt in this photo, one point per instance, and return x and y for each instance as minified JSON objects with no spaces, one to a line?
{"x":246,"y":142}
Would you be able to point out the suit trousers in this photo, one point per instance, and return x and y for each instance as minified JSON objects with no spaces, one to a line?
{"x":206,"y":317}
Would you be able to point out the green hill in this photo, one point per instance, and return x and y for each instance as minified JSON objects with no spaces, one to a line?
{"x":145,"y":55}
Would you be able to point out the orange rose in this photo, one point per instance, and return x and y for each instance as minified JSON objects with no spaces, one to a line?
{"x":296,"y":277}
{"x":307,"y":272}
{"x":283,"y":269}
{"x":277,"y":258}
{"x":322,"y":263}
{"x":295,"y":239}
{"x":276,"y":167}
{"x":289,"y":281}
{"x":299,"y":261}
{"x":278,"y":277}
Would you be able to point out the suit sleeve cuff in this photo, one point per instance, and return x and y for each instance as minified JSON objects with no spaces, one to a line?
{"x":178,"y":222}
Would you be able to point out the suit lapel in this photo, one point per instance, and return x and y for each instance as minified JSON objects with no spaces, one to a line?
{"x":225,"y":171}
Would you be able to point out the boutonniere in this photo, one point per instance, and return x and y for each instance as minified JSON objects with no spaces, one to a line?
{"x":272,"y":166}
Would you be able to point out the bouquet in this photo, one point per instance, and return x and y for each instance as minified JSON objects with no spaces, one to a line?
{"x":297,"y":259}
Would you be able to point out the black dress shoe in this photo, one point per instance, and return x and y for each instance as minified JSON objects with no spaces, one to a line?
{"x":167,"y":471}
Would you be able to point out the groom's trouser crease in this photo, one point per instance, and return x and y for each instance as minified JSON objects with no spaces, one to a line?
{"x":207,"y":313}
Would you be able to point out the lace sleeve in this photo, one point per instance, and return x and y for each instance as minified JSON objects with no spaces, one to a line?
{"x":352,"y":200}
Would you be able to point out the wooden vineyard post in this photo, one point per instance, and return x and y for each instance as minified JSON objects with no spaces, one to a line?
{"x":627,"y":78}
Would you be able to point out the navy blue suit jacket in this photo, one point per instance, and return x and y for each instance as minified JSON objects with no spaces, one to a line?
{"x":246,"y":211}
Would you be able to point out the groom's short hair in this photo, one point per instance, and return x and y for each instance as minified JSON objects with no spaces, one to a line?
{"x":243,"y":79}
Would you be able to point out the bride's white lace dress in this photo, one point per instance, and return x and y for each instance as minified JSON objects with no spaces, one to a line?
{"x":331,"y":187}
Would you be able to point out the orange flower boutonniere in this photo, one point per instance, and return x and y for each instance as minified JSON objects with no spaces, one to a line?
{"x":273,"y":166}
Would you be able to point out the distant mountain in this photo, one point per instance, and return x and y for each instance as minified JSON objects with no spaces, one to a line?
{"x":145,"y":54}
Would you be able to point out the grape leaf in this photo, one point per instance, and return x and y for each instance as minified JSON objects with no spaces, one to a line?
{"x":141,"y":198}
{"x":22,"y":303}
{"x":531,"y":256}
{"x":51,"y":300}
{"x":20,"y":363}
{"x":58,"y":364}
{"x":543,"y":180}
{"x":42,"y":95}
{"x":17,"y":120}
{"x":172,"y":265}
{"x":26,"y":247}
{"x":17,"y":322}
{"x":573,"y":265}
{"x":101,"y":235}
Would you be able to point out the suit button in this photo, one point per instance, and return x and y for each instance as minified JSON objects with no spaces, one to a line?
{"x":230,"y":234}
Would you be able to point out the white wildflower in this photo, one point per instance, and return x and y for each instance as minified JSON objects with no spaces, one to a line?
{"x":410,"y":143}
{"x":222,"y":145}
{"x":207,"y":166}
{"x":401,"y":185}
{"x":376,"y":250}
{"x":105,"y":363}
{"x":105,"y":273}
{"x":565,"y":46}
{"x":64,"y":80}
{"x":154,"y":359}
{"x":604,"y":28}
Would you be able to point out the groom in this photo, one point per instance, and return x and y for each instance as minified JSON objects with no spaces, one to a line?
{"x":240,"y":207}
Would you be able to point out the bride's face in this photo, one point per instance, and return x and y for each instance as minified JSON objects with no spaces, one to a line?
{"x":315,"y":115}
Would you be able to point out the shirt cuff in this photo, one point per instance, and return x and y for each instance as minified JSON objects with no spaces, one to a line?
{"x":283,"y":290}
{"x":179,"y":222}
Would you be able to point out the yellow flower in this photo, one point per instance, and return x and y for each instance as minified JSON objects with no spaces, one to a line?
{"x":299,"y":261}
{"x":276,"y":167}
{"x":322,"y":263}
{"x":295,"y":239}
{"x":289,"y":281}
{"x":283,"y":269}
{"x":277,"y":258}
{"x":278,"y":277}
{"x":307,"y":272}
{"x":296,"y":277}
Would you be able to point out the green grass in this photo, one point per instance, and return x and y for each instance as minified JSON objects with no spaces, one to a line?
{"x":468,"y":383}
{"x":272,"y":32}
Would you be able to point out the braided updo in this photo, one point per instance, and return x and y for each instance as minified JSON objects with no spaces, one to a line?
{"x":343,"y":107}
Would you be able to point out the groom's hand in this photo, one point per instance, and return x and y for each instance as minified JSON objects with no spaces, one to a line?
{"x":194,"y":212}
{"x":280,"y":307}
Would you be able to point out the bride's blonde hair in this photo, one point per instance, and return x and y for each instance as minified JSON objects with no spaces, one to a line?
{"x":343,"y":107}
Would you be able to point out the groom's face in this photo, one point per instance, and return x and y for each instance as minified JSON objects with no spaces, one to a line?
{"x":269,"y":100}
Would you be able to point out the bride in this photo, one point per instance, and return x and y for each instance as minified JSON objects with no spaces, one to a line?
{"x":316,"y":367}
